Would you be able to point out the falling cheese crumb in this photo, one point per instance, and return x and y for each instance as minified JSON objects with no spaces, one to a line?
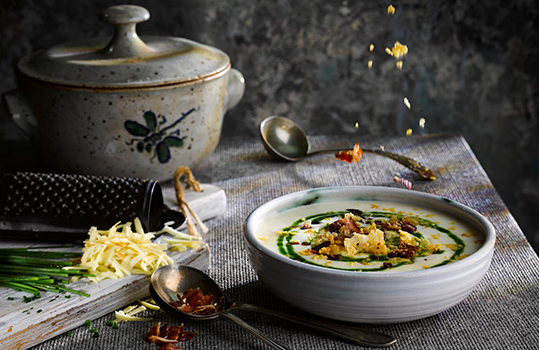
{"x":399,"y":64}
{"x":407,"y":103}
{"x":408,"y":132}
{"x":369,"y":64}
{"x":399,"y":50}
{"x":391,"y":10}
{"x":422,"y":123}
{"x":371,"y":47}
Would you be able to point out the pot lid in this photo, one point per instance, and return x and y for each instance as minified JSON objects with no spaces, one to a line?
{"x":126,"y":60}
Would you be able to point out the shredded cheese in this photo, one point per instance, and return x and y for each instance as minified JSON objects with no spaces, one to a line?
{"x":149,"y":305}
{"x":122,"y":316}
{"x":120,"y":251}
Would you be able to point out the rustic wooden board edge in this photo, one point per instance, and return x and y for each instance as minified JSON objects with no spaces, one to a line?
{"x":208,"y":204}
{"x":107,"y":296}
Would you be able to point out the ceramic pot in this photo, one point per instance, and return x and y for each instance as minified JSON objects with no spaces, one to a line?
{"x":126,"y":106}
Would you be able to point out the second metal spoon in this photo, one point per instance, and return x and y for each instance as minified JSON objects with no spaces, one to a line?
{"x":285,"y":140}
{"x":169,"y":281}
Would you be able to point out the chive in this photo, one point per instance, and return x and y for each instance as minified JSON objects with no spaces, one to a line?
{"x":30,"y":270}
{"x":112,"y":324}
{"x":20,"y":287}
{"x":73,"y":291}
{"x":27,"y":261}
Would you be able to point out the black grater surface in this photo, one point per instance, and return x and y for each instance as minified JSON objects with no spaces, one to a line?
{"x":68,"y":205}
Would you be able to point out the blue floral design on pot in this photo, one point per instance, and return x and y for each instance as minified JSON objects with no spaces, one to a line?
{"x":152,"y":138}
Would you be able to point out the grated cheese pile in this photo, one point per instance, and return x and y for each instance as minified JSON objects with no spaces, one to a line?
{"x":120,"y":251}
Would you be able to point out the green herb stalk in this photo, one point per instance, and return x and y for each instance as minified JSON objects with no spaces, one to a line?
{"x":31,"y":271}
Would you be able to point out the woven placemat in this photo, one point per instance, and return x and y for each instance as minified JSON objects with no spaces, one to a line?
{"x":501,"y":313}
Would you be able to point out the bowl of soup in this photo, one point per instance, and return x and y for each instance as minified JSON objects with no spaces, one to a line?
{"x":368,"y":254}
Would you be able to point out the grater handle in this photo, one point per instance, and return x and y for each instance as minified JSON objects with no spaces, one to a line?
{"x":64,"y":207}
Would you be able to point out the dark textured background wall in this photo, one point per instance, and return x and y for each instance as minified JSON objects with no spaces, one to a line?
{"x":471,"y":69}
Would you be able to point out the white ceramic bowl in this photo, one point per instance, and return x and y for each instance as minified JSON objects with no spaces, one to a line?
{"x":387,"y":296}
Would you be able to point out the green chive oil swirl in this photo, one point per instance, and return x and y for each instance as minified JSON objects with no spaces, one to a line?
{"x":286,"y":245}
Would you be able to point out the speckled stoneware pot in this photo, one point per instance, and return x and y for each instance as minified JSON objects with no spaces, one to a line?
{"x":126,"y":106}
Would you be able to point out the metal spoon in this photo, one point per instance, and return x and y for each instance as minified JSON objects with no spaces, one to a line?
{"x":285,"y":140}
{"x":169,"y":281}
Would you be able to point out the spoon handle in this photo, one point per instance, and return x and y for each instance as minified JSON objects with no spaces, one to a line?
{"x":353,"y":334}
{"x":408,"y":162}
{"x":274,"y":344}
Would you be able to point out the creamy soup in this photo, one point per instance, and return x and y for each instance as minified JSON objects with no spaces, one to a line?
{"x":368,"y":236}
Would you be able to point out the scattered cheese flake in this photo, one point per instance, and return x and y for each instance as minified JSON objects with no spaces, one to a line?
{"x":136,"y":310}
{"x":422,"y":123}
{"x":121,"y":316}
{"x":356,"y":125}
{"x":391,"y":10}
{"x":371,"y":47}
{"x":399,"y":64}
{"x":408,"y":132}
{"x":149,"y":305}
{"x":453,"y":247}
{"x":389,"y":52}
{"x":369,"y":64}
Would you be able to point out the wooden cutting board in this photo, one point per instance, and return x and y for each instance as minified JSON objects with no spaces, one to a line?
{"x":23,"y":325}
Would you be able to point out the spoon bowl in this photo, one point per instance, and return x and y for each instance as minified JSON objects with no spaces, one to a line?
{"x":168,"y":283}
{"x":285,"y":140}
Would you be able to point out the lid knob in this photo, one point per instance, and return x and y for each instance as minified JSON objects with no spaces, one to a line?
{"x":126,"y":43}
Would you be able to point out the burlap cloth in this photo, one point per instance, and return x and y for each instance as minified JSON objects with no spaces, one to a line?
{"x":501,"y":313}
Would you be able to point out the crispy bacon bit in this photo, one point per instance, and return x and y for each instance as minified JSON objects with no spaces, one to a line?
{"x":406,"y":251}
{"x":356,"y":212}
{"x":404,"y":225}
{"x":350,"y":156}
{"x":336,"y":225}
{"x":386,"y":265}
{"x":346,"y":226}
{"x":166,"y":336}
{"x":306,"y":225}
{"x":195,"y":302}
{"x":320,"y":246}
